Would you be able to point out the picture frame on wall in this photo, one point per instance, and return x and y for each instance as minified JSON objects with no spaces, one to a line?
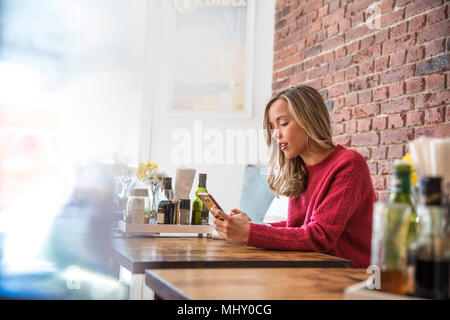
{"x":210,"y":73}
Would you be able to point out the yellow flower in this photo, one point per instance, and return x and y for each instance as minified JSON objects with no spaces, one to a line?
{"x":140,"y":170}
{"x":408,"y":159}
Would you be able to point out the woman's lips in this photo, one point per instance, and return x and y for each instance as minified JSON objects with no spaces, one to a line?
{"x":283,"y":146}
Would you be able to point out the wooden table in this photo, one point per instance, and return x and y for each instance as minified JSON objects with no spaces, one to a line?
{"x":138,"y":254}
{"x":253,"y":284}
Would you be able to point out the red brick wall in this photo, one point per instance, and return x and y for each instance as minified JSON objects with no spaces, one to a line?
{"x":383,"y":71}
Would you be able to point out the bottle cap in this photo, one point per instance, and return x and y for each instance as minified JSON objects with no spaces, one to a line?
{"x":167,"y":183}
{"x":401,"y":166}
{"x":185,"y":203}
{"x":202,"y":176}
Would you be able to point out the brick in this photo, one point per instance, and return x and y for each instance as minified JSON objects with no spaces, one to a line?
{"x":328,"y":80}
{"x":398,"y":58}
{"x":341,"y":115}
{"x":341,"y":63}
{"x":379,"y":123}
{"x":434,"y":131}
{"x":378,"y":182}
{"x":415,"y":85}
{"x":365,"y":83}
{"x":436,"y":15}
{"x":329,"y":105}
{"x":364,"y":54}
{"x":338,"y":90}
{"x":334,"y":5}
{"x":402,"y":43}
{"x":342,"y":140}
{"x":395,"y":152}
{"x":431,"y":32}
{"x":379,"y":153}
{"x":365,"y":97}
{"x":432,"y":65}
{"x":365,"y":139}
{"x":386,"y":6}
{"x":365,"y":152}
{"x":339,"y":76}
{"x":417,"y":7}
{"x":366,"y":111}
{"x":333,"y":17}
{"x":434,"y":48}
{"x":397,"y":105}
{"x":381,"y":36}
{"x":415,"y":54}
{"x":396,"y":120}
{"x":385,"y":167}
{"x":339,"y":103}
{"x":338,"y":129}
{"x":332,"y":30}
{"x":381,"y":64}
{"x":383,"y":196}
{"x":340,"y":52}
{"x":397,"y":74}
{"x":351,"y":126}
{"x":396,"y":136}
{"x":364,"y":125}
{"x":380,"y":94}
{"x":398,"y":30}
{"x":416,"y":23}
{"x":353,"y":47}
{"x":351,"y":99}
{"x":396,"y":89}
{"x":312,"y":51}
{"x":366,"y":68}
{"x":435,"y":81}
{"x":435,"y":115}
{"x":392,"y":17}
{"x":432,"y":99}
{"x":333,"y":43}
{"x":414,"y":118}
{"x":356,"y":33}
{"x":373,"y":167}
{"x":367,"y":41}
{"x":351,"y":72}
{"x":323,"y":11}
{"x":344,"y":25}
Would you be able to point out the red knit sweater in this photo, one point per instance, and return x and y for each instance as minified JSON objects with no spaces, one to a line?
{"x":332,"y":216}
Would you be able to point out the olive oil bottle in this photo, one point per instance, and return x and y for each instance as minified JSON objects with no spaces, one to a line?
{"x":199,"y":211}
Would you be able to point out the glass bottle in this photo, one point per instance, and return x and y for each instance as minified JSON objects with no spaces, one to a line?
{"x":166,"y":207}
{"x":199,"y":211}
{"x":432,"y":247}
{"x":185,"y":205}
{"x":138,"y":207}
{"x":401,"y":193}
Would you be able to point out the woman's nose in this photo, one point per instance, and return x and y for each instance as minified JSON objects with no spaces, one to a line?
{"x":276,"y":134}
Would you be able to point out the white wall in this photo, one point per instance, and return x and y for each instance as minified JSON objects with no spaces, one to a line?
{"x":224,"y":180}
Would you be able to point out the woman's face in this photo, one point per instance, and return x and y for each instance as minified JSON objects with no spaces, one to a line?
{"x":290,"y":136}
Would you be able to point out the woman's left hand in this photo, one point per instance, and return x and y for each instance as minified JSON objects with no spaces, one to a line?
{"x":234,"y":227}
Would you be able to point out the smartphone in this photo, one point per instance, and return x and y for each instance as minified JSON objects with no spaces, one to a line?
{"x":209,"y":201}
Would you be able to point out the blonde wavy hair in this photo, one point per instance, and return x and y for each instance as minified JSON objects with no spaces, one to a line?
{"x":289,"y":177}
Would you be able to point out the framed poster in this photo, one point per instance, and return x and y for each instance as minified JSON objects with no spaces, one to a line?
{"x":212,"y":58}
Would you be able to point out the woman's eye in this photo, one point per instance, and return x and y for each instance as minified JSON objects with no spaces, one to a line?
{"x":284,"y":124}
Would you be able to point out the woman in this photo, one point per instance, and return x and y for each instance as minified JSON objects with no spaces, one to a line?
{"x":329,"y":187}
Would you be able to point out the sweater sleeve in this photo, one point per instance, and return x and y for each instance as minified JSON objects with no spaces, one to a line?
{"x":278,"y":224}
{"x":329,"y":218}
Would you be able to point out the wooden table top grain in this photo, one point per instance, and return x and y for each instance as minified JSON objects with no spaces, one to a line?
{"x":253,"y":283}
{"x":138,"y":254}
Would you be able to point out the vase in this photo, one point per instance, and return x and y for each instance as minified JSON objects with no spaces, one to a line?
{"x":153,"y":191}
